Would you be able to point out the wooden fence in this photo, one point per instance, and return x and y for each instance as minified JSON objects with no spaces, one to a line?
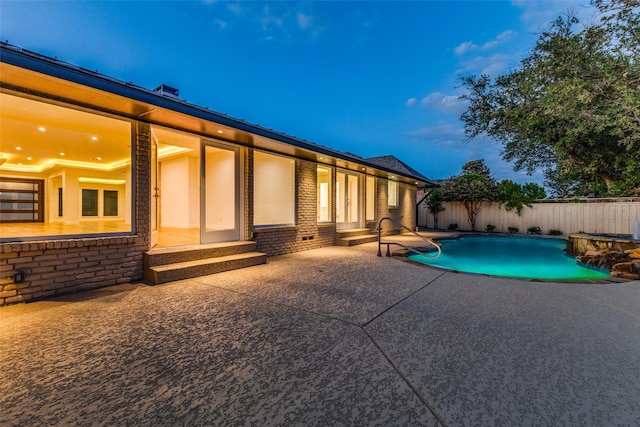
{"x":609,"y":216}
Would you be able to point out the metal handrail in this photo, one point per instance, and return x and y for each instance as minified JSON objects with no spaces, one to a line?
{"x":380,"y":242}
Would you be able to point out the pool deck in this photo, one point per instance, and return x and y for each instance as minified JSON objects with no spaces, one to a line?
{"x":332,"y":336}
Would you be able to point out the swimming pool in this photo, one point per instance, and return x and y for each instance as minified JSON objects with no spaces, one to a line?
{"x":509,"y":256}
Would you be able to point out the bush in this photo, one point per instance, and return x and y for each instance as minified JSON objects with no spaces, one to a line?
{"x":490,"y":228}
{"x":513,"y":230}
{"x":534,"y":230}
{"x":555,"y":232}
{"x":453,"y":226}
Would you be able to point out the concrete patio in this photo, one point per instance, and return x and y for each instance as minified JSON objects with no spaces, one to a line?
{"x":333,"y":336}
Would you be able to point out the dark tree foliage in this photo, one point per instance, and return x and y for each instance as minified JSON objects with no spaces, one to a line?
{"x":435,"y":205}
{"x":512,"y":195}
{"x":472,"y":188}
{"x":572,"y":107}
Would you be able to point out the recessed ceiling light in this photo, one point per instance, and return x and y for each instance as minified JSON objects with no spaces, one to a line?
{"x":220,"y":131}
{"x":94,"y":138}
{"x":29,"y":158}
{"x":62,"y":154}
{"x":98,"y":158}
{"x":18,"y":148}
{"x":42,"y":129}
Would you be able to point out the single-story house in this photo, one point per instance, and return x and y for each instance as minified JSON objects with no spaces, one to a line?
{"x":104,"y":182}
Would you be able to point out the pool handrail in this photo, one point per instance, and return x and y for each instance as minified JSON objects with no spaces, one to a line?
{"x":380,"y":242}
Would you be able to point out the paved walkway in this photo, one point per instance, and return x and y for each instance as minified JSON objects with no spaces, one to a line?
{"x":334,"y":336}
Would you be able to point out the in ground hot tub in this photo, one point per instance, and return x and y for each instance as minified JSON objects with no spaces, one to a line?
{"x":579,"y":244}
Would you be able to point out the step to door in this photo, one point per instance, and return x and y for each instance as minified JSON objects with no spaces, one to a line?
{"x":176,"y":254}
{"x":357,"y":240}
{"x":351,"y":232}
{"x":201,"y":267}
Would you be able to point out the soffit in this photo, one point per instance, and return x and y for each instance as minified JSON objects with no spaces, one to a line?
{"x":143,"y":105}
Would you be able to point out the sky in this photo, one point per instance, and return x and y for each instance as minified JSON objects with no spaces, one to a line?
{"x":370,"y":78}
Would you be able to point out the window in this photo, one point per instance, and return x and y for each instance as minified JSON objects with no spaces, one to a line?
{"x":110,"y":203}
{"x":67,"y":151}
{"x":273,"y":189}
{"x":89,"y":202}
{"x":21,"y":200}
{"x":371,"y":199}
{"x":392,"y":196}
{"x":324,"y":194}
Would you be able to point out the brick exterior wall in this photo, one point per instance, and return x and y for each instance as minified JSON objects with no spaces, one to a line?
{"x":404,"y":213}
{"x":306,"y":233}
{"x":63,"y":266}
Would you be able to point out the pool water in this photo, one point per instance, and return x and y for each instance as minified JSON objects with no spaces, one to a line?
{"x":509,"y":256}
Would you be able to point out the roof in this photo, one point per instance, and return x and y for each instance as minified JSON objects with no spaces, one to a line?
{"x":155,"y":108}
{"x":392,"y":162}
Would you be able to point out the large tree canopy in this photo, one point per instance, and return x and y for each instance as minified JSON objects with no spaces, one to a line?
{"x":572,"y":107}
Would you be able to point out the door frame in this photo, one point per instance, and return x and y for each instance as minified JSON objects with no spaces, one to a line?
{"x":346,"y":202}
{"x":237,"y":232}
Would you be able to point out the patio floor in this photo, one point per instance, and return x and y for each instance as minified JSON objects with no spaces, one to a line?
{"x":333,"y":336}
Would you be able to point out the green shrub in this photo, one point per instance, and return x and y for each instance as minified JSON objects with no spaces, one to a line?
{"x":513,"y":230}
{"x":452,"y":226}
{"x":534,"y":229}
{"x":490,"y":228}
{"x":555,"y":232}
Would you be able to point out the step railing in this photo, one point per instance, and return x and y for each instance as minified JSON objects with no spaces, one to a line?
{"x":380,"y":242}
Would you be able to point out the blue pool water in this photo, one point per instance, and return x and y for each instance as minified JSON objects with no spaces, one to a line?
{"x":521,"y":257}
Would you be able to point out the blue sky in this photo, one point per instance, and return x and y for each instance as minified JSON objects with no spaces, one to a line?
{"x":369,"y":78}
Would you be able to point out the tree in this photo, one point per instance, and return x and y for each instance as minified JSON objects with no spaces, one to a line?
{"x":435,"y":205}
{"x":512,"y":195}
{"x":472,"y":188}
{"x":572,"y":107}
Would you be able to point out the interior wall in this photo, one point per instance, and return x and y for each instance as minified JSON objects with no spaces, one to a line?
{"x":176,"y":207}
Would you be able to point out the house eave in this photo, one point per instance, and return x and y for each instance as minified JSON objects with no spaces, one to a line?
{"x":41,"y":76}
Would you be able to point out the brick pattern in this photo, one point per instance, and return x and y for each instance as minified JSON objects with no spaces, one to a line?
{"x":59,"y":267}
{"x":404,"y":213}
{"x":306,"y":233}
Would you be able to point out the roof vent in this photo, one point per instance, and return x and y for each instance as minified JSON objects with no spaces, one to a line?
{"x":168,"y":91}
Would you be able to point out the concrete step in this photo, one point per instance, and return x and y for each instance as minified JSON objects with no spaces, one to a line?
{"x":201,"y":267}
{"x":176,"y":254}
{"x":352,"y":232}
{"x":357,"y":240}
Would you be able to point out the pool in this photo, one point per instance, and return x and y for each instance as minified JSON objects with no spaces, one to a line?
{"x":509,"y":256}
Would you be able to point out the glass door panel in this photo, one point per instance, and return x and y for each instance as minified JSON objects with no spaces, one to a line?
{"x":347,"y":200}
{"x":220,"y":193}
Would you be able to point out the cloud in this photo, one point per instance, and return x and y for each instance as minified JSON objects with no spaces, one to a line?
{"x":491,"y":65}
{"x":465,"y":47}
{"x":446,"y":103}
{"x":273,"y":21}
{"x":444,"y":134}
{"x":537,"y":14}
{"x":410,"y":102}
{"x":469,"y":46}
